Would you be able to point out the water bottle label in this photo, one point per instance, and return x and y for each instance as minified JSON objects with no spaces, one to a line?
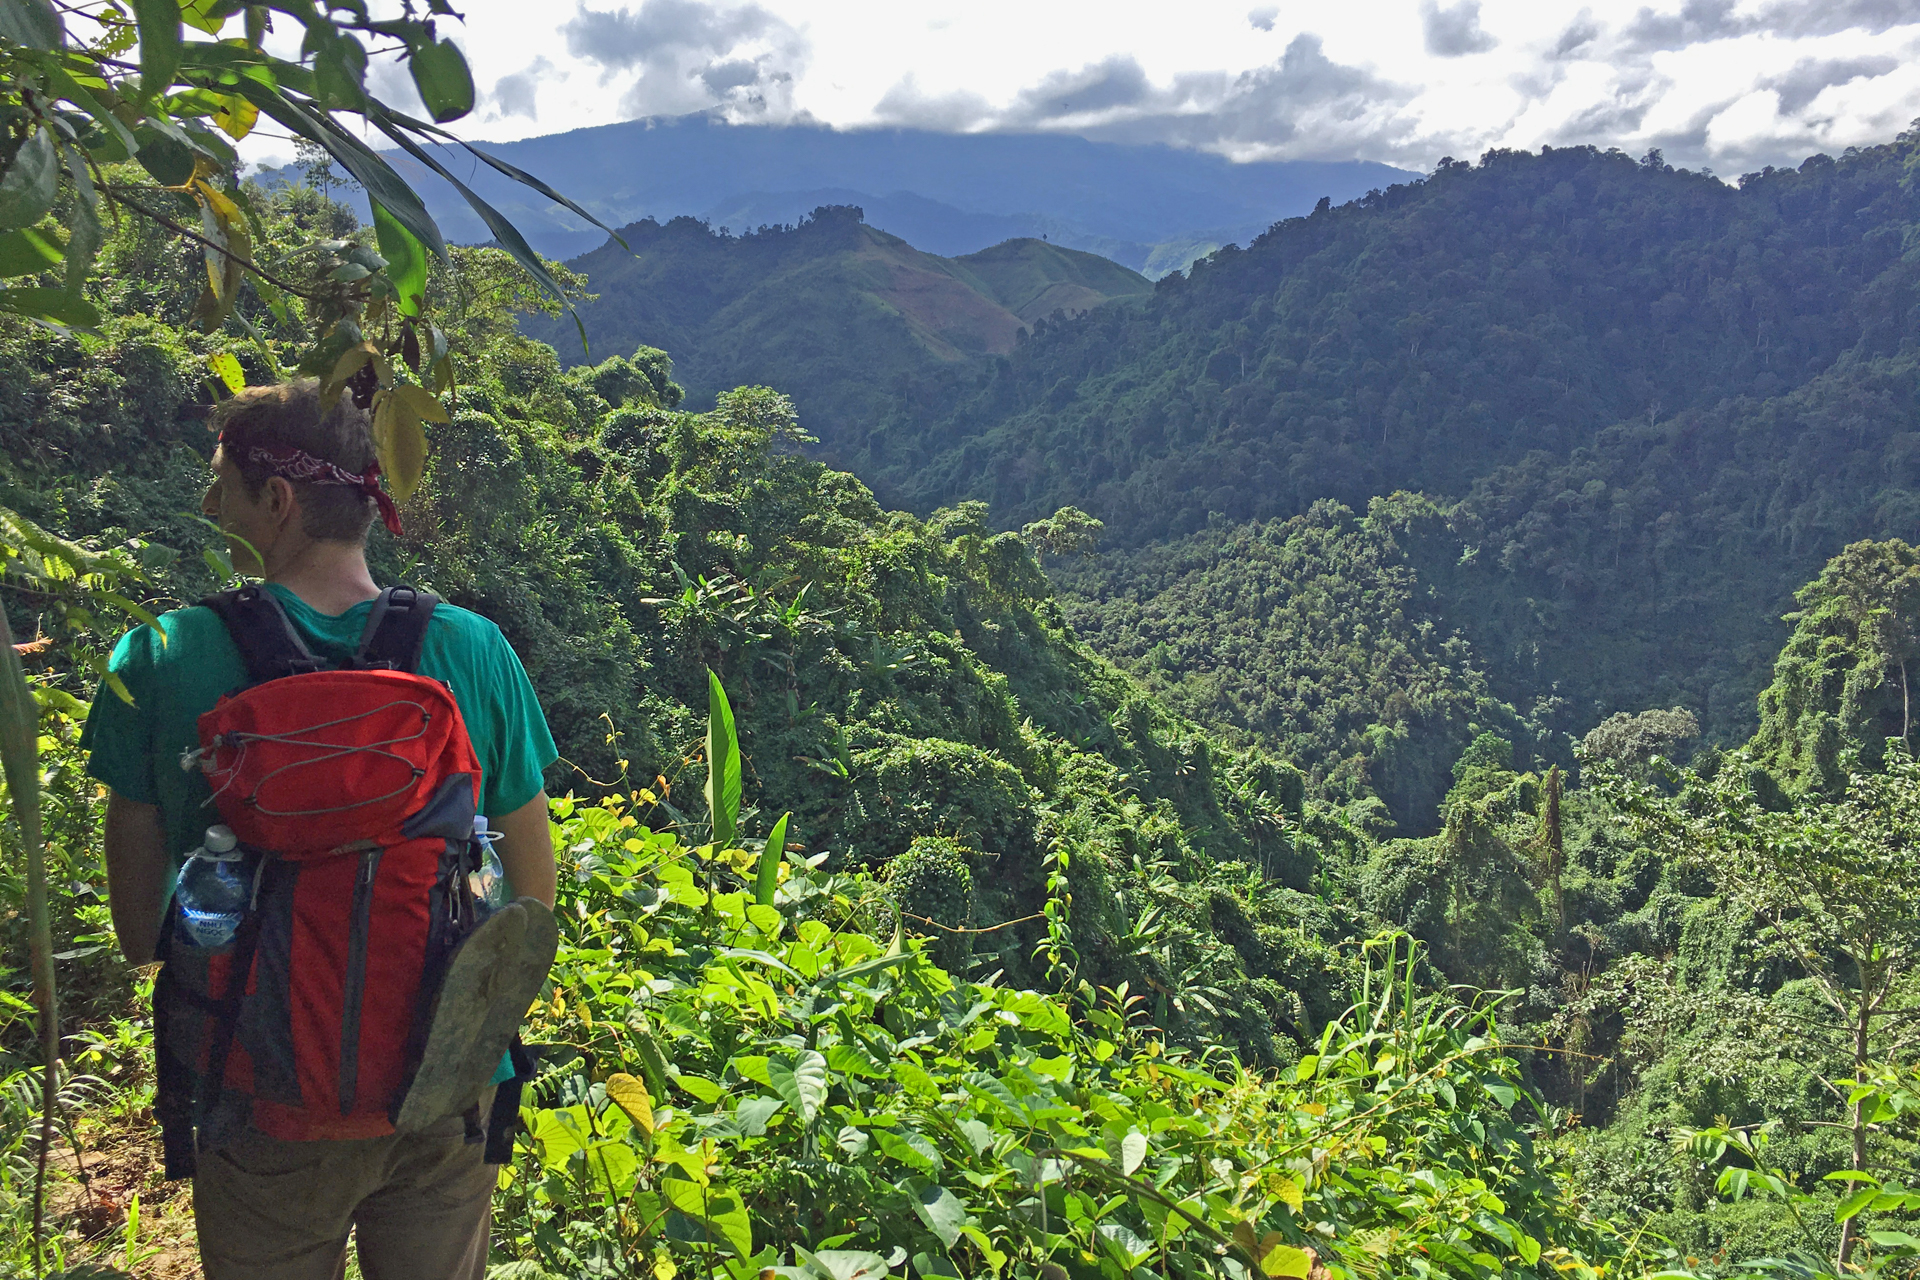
{"x":208,"y":928}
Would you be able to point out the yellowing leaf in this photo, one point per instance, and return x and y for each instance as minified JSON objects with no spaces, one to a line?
{"x":228,"y":370}
{"x":1287,"y":1260}
{"x":401,"y":443}
{"x":1287,"y":1192}
{"x":1314,"y":1108}
{"x":236,"y":116}
{"x":631,"y":1097}
{"x":423,"y":402}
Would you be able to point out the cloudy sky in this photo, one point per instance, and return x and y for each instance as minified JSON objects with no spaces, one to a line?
{"x":1731,"y":84}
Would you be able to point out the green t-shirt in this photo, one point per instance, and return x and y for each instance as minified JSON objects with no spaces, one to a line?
{"x":137,"y":749}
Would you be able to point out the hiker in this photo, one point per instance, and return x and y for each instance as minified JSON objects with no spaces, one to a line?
{"x":285,"y":1146}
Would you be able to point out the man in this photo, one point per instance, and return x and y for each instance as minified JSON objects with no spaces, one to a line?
{"x":295,"y":492}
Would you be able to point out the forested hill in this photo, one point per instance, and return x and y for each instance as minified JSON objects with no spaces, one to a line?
{"x":831,"y":310}
{"x":1649,"y":403}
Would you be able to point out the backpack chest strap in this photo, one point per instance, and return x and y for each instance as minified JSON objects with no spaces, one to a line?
{"x":271,"y":647}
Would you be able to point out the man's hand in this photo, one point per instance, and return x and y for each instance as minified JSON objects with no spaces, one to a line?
{"x":136,"y":875}
{"x":525,"y":847}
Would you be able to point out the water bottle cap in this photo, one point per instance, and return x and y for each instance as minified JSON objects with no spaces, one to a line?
{"x":480,"y":824}
{"x":220,"y":839}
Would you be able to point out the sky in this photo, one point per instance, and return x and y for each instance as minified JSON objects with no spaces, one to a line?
{"x":1731,"y":85}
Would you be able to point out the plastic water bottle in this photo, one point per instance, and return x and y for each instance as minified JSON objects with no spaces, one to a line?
{"x":489,"y":883}
{"x":213,"y":890}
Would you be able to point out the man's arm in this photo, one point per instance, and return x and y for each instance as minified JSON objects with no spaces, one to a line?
{"x":136,"y":874}
{"x":525,"y":847}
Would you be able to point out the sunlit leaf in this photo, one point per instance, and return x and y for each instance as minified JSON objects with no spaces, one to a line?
{"x":441,"y":75}
{"x":228,"y":370}
{"x":632,"y":1097}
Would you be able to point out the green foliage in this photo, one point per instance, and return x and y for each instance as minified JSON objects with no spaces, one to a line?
{"x":1839,"y":689}
{"x":744,"y":1086}
{"x":1643,"y":406}
{"x":932,"y":886}
{"x":1314,"y":637}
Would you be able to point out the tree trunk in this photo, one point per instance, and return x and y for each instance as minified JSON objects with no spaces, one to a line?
{"x":1556,"y":848}
{"x":1850,"y":1232}
{"x":19,"y":757}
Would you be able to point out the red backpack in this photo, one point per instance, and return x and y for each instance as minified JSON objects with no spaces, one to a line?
{"x":352,"y":790}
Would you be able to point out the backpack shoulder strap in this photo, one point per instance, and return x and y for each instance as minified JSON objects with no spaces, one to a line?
{"x":396,"y":630}
{"x":261,"y":630}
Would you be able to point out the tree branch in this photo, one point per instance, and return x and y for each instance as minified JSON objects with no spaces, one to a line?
{"x":116,"y":195}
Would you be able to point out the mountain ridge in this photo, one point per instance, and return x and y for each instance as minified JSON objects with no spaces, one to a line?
{"x":1125,"y":194}
{"x":829,"y":309}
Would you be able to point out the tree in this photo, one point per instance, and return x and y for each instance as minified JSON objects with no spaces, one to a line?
{"x":1842,"y":682}
{"x":1836,"y":885}
{"x":1634,"y":740}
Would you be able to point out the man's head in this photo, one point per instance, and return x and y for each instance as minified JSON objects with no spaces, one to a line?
{"x":282,"y":471}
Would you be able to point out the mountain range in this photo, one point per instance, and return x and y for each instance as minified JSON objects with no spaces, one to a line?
{"x":1151,"y":208}
{"x":830,"y":310}
{"x":1638,"y":407}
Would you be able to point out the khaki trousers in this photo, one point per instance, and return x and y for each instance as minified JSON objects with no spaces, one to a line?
{"x":268,"y":1209}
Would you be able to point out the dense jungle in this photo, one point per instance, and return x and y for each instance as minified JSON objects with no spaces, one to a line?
{"x":987,"y":862}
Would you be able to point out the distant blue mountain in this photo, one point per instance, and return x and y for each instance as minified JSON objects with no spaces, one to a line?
{"x":946,"y":193}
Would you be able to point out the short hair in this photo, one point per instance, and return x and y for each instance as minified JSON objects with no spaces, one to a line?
{"x":291,"y":415}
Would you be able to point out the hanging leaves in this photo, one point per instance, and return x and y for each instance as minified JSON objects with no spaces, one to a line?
{"x":400,"y":439}
{"x":446,"y":85}
{"x":27,"y":185}
{"x":229,"y":249}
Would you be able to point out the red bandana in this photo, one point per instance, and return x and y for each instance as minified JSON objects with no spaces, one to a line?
{"x":300,"y":466}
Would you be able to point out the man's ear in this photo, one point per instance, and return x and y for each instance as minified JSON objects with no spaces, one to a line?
{"x":282,"y":502}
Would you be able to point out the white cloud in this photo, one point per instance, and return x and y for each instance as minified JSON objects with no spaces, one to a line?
{"x":1728,"y":83}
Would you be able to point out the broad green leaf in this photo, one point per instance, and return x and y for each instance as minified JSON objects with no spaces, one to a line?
{"x":614,"y":1166}
{"x":30,"y":23}
{"x":441,"y":75}
{"x":1133,"y":1149}
{"x":340,"y":74}
{"x":1527,"y":1247}
{"x":767,"y":879}
{"x":27,"y":252}
{"x":700,"y":1087}
{"x":1288,"y":1260}
{"x":938,"y":1207}
{"x":165,"y":157}
{"x":159,"y":25}
{"x":29,"y":180}
{"x":1304,"y":1070}
{"x":836,"y":1264}
{"x":801,"y":1082}
{"x":53,"y":306}
{"x":1851,"y":1205}
{"x":723,"y":765}
{"x":714,"y":1205}
{"x":406,"y":259}
{"x":909,"y":1148}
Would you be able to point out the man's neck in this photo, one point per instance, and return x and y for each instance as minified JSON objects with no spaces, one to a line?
{"x":330,"y":576}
